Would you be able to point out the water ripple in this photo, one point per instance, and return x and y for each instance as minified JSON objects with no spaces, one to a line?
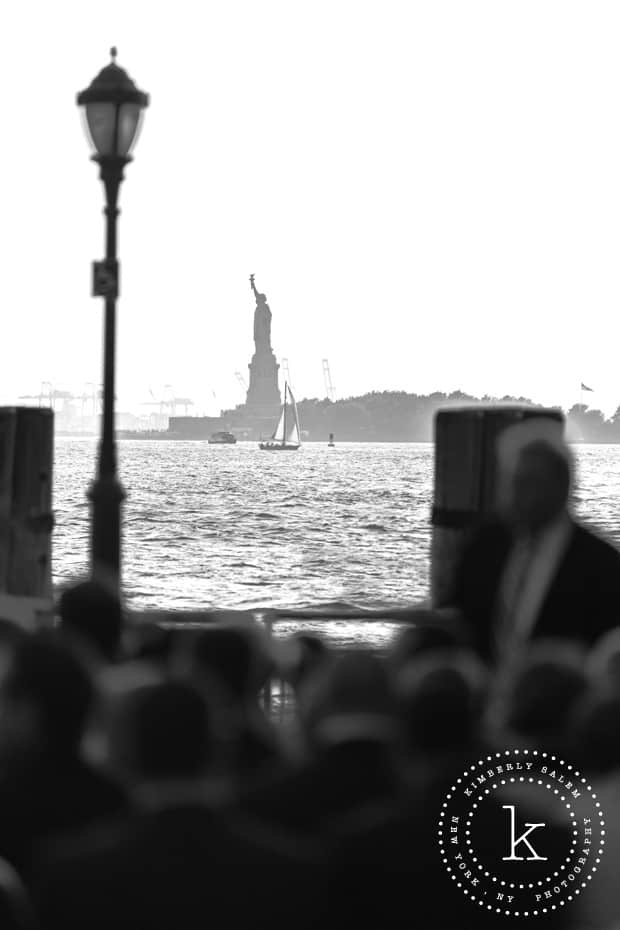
{"x":200,"y":527}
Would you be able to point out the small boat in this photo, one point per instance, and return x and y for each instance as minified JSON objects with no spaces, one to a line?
{"x":331,"y":442}
{"x":286,"y":436}
{"x":222,"y":438}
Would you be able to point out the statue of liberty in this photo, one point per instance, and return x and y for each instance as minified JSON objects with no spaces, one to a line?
{"x":262,"y":320}
{"x":263,"y":394}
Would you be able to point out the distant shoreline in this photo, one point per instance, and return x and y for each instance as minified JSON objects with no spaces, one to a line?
{"x":378,"y":417}
{"x":164,"y":437}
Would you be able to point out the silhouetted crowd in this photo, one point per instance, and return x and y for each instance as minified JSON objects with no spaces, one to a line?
{"x":146,"y":782}
{"x":220,"y":776}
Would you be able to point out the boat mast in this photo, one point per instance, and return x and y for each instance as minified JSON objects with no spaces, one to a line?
{"x":284,"y":423}
{"x":296,"y":420}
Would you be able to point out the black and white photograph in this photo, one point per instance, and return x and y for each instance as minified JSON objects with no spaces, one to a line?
{"x":310,"y":465}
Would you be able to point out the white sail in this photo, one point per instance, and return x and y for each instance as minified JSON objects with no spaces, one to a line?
{"x":287,"y":433}
{"x":293,"y":435}
{"x":278,"y":435}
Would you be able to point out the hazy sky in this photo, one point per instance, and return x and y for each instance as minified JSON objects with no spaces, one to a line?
{"x":427,"y":192}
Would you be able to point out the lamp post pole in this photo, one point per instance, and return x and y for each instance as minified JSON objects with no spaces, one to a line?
{"x":113,"y":107}
{"x":106,"y":492}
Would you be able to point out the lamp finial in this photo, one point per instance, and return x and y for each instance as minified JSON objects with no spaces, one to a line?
{"x":113,"y":54}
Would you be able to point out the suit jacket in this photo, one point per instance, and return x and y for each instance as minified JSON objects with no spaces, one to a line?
{"x":582,"y":601}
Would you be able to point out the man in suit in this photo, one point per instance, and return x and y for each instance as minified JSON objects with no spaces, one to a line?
{"x":536,"y":572}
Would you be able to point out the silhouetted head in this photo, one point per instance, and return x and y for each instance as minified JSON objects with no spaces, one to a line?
{"x":542,"y":689}
{"x":441,"y":701}
{"x":45,"y":696}
{"x":310,"y":652}
{"x":231,"y":658}
{"x":595,"y":725}
{"x":161,"y":731}
{"x":154,"y":644}
{"x":603,"y":665}
{"x":535,"y":473}
{"x":415,"y":641}
{"x":349,"y":699}
{"x":92,"y":613}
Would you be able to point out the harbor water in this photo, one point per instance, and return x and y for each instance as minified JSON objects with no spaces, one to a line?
{"x":233,"y":527}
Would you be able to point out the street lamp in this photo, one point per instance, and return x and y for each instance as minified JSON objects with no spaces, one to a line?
{"x":113,"y":107}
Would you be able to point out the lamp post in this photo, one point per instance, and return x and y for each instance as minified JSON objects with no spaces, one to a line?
{"x":113,"y":107}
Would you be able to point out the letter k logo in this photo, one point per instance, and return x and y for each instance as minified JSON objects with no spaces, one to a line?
{"x":514,"y":841}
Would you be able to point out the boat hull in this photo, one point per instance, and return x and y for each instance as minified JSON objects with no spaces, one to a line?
{"x":222,"y":438}
{"x":278,"y":441}
{"x":277,"y":447}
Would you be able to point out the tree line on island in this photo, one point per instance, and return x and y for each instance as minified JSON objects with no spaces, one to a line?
{"x":396,"y":416}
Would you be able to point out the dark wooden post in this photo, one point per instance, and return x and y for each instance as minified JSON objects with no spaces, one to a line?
{"x":466,"y":481}
{"x":26,"y":519}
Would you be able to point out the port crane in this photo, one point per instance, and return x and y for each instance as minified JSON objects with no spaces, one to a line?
{"x":168,"y":403}
{"x":93,"y":395}
{"x":184,"y":402}
{"x":50,"y":394}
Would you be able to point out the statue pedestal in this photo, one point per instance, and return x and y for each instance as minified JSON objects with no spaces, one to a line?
{"x":263,"y":393}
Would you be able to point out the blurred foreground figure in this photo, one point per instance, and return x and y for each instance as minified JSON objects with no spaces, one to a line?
{"x":536,"y":696}
{"x":231,"y":664}
{"x":91,"y":615}
{"x":310,"y":653}
{"x":16,"y":910}
{"x":46,"y":787}
{"x":536,"y":572}
{"x":176,"y":860}
{"x":418,"y":640}
{"x":384,"y":863}
{"x":604,"y":661}
{"x":349,"y":734}
{"x":595,"y":726}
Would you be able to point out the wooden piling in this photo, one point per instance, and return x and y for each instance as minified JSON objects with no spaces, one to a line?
{"x":26,"y":520}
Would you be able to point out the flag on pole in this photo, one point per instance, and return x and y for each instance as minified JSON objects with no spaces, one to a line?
{"x":584,"y":387}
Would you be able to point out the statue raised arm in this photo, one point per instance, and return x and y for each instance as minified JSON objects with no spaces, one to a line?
{"x":257,"y":294}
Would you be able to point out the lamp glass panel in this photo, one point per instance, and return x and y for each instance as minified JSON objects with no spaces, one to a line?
{"x":128,"y":125}
{"x":101,"y":118}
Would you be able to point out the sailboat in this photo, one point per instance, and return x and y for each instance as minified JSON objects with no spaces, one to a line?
{"x":286,"y":434}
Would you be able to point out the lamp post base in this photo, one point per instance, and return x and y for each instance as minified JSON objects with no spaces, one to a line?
{"x":106,"y":495}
